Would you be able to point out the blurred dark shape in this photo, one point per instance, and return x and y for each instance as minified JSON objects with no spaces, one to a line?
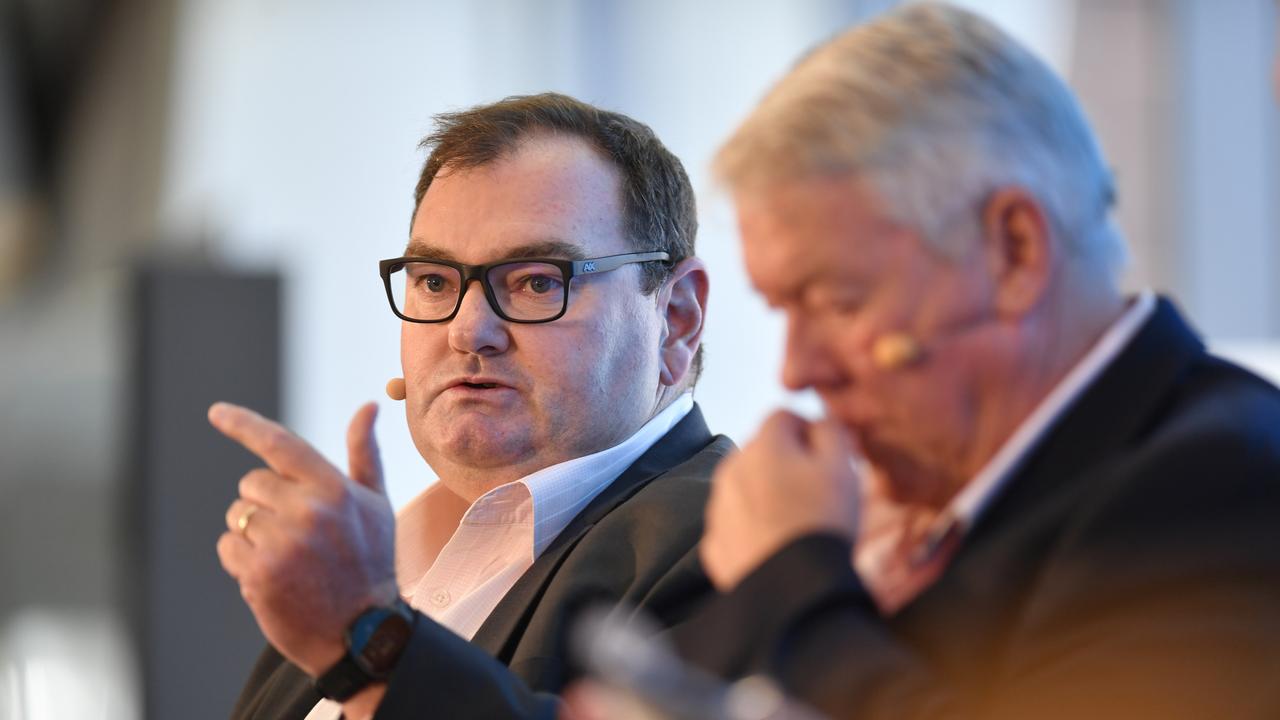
{"x":200,"y":335}
{"x":46,"y":50}
{"x":50,"y":45}
{"x":623,"y":650}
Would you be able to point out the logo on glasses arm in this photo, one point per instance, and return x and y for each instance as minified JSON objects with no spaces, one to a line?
{"x":588,"y":266}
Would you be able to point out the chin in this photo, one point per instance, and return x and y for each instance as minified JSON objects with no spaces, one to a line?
{"x":481,"y":441}
{"x":904,"y":478}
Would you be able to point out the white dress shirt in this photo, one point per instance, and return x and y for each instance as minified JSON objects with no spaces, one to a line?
{"x":455,"y":562}
{"x":874,"y":559}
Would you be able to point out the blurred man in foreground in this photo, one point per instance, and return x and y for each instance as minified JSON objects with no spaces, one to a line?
{"x":552,"y":311}
{"x":1063,"y":508}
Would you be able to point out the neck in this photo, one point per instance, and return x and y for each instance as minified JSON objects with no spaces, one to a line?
{"x":664,"y":397}
{"x":470,"y":482}
{"x":1046,"y":345}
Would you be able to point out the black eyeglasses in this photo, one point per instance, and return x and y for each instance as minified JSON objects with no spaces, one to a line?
{"x":527,"y":290}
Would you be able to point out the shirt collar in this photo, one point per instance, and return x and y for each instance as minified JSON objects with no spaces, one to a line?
{"x":978,"y":493}
{"x":560,"y":492}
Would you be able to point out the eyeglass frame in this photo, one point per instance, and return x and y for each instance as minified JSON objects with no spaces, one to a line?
{"x":569,"y":269}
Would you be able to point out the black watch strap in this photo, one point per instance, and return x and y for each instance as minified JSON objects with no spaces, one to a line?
{"x":343,"y":680}
{"x":374,"y":642}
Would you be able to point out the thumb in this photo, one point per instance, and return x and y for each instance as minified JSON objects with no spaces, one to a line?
{"x":363,"y":460}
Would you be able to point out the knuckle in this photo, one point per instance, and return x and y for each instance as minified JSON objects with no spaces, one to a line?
{"x":333,"y":494}
{"x":313,"y":515}
{"x":276,"y":440}
{"x":256,"y":480}
{"x":778,"y":419}
{"x":271,"y":441}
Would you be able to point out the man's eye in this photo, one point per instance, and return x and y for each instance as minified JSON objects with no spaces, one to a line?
{"x":842,"y":305}
{"x":434,"y":283}
{"x":540,"y":284}
{"x":845,"y":306}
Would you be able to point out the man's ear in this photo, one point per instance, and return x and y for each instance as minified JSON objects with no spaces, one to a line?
{"x":1020,"y":248}
{"x":682,"y":301}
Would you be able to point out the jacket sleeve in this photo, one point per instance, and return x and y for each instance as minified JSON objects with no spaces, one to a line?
{"x":442,"y":675}
{"x":1161,"y":598}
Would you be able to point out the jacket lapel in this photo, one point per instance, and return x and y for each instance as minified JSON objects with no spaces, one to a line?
{"x":1010,"y":538}
{"x":501,"y":631}
{"x":1023,"y":519}
{"x":1116,"y":408}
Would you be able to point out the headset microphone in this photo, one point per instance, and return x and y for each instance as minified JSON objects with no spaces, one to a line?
{"x":893,"y":351}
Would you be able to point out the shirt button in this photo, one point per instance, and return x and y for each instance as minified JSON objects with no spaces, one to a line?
{"x":440,"y":598}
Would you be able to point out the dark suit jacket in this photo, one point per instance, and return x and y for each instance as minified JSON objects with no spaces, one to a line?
{"x":1130,"y":569}
{"x":634,"y":543}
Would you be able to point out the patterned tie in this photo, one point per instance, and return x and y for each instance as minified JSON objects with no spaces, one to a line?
{"x":910,"y":565}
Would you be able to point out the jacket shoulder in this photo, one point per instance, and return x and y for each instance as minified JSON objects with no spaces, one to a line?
{"x":1220,"y":423}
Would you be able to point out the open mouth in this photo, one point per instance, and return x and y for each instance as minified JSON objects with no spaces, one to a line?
{"x":479,"y":386}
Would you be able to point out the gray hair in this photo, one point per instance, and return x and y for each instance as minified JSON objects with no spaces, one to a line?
{"x":937,"y":108}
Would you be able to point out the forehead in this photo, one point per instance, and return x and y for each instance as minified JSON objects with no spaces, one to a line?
{"x":548,"y":190}
{"x":814,"y":231}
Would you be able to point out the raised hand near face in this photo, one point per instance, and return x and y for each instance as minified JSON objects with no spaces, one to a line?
{"x":310,"y":547}
{"x":793,"y":479}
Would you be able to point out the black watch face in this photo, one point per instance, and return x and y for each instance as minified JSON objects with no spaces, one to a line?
{"x":379,"y":654}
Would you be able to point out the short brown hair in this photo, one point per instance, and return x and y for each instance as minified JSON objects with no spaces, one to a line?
{"x":659,"y":211}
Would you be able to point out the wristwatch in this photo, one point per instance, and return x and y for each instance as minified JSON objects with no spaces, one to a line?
{"x":374,"y":640}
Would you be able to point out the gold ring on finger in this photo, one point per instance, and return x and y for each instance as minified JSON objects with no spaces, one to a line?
{"x":242,"y":522}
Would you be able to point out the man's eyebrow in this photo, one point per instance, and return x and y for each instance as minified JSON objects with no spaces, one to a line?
{"x":420,"y":248}
{"x":546,"y":248}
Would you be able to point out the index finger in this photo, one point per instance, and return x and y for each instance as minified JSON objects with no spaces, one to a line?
{"x":280,"y":449}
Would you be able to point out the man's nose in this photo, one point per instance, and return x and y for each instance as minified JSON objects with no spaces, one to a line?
{"x":476,"y":328}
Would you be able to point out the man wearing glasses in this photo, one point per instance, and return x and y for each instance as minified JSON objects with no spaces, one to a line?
{"x":551,"y":311}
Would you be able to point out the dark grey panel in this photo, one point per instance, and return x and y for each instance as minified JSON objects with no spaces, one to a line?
{"x":201,"y":336}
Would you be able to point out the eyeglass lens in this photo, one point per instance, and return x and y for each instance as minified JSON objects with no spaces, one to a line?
{"x":523,"y":290}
